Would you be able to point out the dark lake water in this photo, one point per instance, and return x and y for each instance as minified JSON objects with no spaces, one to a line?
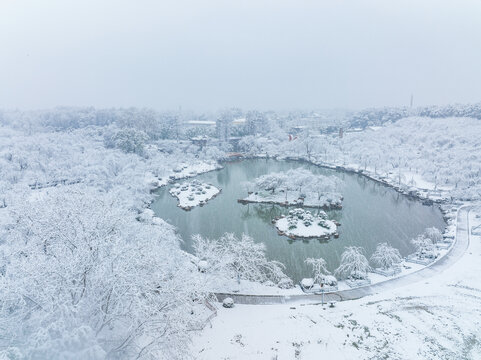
{"x":372,"y":213}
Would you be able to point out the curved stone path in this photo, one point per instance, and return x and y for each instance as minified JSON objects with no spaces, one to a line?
{"x":456,"y":252}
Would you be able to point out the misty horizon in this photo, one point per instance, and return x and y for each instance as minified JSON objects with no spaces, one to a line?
{"x":265,"y":55}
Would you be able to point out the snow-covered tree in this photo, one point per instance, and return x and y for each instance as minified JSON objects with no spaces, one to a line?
{"x":223,"y":124}
{"x":319,"y":269}
{"x":256,"y":122}
{"x":238,"y":258}
{"x":127,"y":140}
{"x":434,"y":234}
{"x":84,"y":279}
{"x":209,"y":251}
{"x":271,"y":182}
{"x":354,"y":264}
{"x":308,"y":143}
{"x":425,"y":247}
{"x":4,"y":187}
{"x":299,"y":179}
{"x":253,"y":144}
{"x":169,"y":126}
{"x":386,"y":256}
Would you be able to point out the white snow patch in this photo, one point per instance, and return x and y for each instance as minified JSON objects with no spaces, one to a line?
{"x":194,"y":193}
{"x":183,"y":171}
{"x":301,"y":223}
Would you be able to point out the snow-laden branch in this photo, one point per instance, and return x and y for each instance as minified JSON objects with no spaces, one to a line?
{"x":238,"y":258}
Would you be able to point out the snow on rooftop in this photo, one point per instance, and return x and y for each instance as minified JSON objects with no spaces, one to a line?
{"x":239,"y":121}
{"x":201,"y":122}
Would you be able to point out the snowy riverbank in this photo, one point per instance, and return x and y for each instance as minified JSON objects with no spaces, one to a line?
{"x":252,"y":288}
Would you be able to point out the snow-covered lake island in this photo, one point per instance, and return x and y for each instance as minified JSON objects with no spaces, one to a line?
{"x":194,"y":193}
{"x":296,"y":187}
{"x":301,"y":223}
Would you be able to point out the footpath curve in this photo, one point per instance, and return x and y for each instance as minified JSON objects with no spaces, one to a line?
{"x":455,"y":253}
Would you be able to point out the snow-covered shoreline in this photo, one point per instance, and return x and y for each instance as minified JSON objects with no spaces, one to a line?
{"x":261,"y":289}
{"x":185,"y":171}
{"x":420,"y":193}
{"x":247,"y":288}
{"x":407,"y":268}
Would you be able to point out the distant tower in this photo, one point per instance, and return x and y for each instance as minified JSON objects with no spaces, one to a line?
{"x":341,"y":132}
{"x":412,"y":98}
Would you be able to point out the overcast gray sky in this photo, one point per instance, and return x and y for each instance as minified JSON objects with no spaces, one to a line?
{"x":204,"y":55}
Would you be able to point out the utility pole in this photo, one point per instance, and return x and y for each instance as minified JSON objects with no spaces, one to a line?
{"x":412,"y":99}
{"x":322,"y":293}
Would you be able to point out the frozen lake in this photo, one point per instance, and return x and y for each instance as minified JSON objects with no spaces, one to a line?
{"x":372,"y":213}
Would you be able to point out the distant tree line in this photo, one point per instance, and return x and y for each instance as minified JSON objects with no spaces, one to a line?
{"x":380,"y":116}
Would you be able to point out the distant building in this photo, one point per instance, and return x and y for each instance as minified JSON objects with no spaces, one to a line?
{"x":200,"y":123}
{"x":296,"y":130}
{"x":240,"y":121}
{"x":194,"y":128}
{"x":200,"y":141}
{"x":352,"y":130}
{"x":331,"y":129}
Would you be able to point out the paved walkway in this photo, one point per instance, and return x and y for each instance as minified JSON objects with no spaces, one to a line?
{"x":456,"y":252}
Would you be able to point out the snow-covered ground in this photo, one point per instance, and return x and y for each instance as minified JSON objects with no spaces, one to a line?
{"x":302,"y":224}
{"x":428,"y":318}
{"x":219,"y":284}
{"x":188,"y":170}
{"x":420,"y":183}
{"x":222,"y":285}
{"x":436,"y":318}
{"x":194,"y":193}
